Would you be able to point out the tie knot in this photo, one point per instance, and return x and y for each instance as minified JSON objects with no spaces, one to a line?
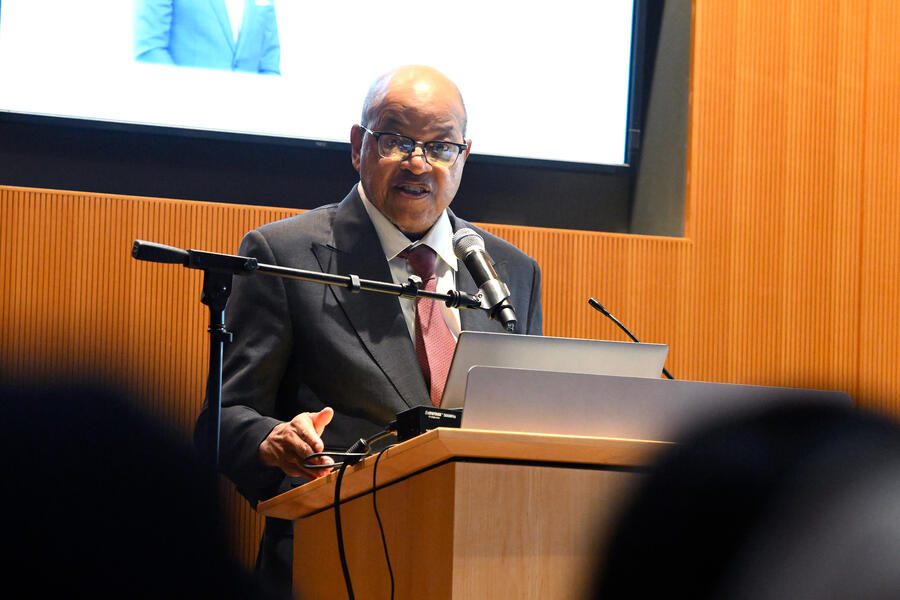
{"x":421,"y":259}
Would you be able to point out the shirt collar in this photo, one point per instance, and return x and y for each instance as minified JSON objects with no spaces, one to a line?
{"x":393,"y":241}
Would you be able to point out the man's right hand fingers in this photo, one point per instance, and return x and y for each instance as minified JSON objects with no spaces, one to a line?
{"x":322,"y":418}
{"x":298,"y":469}
{"x":290,"y":444}
{"x":304,"y":427}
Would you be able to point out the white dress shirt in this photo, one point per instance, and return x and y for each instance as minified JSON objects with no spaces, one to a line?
{"x":440,"y":239}
{"x":235,"y":15}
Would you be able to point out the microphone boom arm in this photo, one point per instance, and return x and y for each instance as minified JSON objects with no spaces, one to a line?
{"x":245,"y":265}
{"x":218,"y":272}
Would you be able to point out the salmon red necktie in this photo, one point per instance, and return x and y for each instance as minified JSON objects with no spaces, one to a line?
{"x":435,"y":343}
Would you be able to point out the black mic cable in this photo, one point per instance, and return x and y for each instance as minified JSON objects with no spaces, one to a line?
{"x":603,"y":310}
{"x":340,"y":532}
{"x":355,"y":453}
{"x":387,"y":557}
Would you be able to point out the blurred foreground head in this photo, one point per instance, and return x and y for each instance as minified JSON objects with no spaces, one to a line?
{"x":799,"y":501}
{"x":100,"y":502}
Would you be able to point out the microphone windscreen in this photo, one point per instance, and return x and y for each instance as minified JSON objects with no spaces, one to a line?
{"x":465,"y":241}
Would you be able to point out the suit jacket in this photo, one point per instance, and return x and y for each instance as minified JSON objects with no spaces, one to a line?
{"x":197,"y":33}
{"x":300,"y":346}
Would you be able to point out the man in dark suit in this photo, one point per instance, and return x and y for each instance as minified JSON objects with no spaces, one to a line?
{"x":306,"y":356}
{"x":211,"y":34}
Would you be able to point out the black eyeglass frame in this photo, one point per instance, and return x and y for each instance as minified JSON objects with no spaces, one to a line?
{"x":416,"y":144}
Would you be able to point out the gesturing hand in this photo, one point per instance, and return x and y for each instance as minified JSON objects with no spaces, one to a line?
{"x":288,"y":444}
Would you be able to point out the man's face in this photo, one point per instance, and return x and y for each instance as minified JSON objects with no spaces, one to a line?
{"x":411,"y":193}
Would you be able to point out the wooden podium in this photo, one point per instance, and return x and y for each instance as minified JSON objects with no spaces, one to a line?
{"x":466,"y":514}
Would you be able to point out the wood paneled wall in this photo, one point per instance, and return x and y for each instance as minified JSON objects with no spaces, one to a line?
{"x":788,"y":274}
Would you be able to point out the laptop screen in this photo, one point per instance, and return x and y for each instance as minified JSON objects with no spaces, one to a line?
{"x":544,"y":353}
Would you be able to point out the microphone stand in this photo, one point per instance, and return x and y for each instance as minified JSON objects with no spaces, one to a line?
{"x":218,"y":273}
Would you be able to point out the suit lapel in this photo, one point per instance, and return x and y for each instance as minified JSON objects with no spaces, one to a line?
{"x":218,"y":7}
{"x":377,"y":319}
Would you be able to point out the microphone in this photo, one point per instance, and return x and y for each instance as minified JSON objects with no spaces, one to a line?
{"x":494,"y":294}
{"x":602,"y":309}
{"x":153,"y":252}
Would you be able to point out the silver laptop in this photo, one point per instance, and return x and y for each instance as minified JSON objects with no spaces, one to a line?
{"x":504,"y":399}
{"x":544,"y":353}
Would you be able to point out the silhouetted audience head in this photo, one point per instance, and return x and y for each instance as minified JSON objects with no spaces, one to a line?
{"x":100,"y":502}
{"x":792,"y":501}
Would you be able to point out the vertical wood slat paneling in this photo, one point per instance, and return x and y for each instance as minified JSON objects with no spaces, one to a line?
{"x":75,"y":307}
{"x":763,"y":153}
{"x":879,"y":308}
{"x":788,"y":276}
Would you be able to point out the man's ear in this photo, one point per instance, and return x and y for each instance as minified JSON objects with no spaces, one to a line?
{"x":465,"y":153}
{"x":356,"y":140}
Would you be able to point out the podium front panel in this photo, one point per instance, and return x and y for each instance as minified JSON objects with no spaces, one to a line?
{"x":466,"y":530}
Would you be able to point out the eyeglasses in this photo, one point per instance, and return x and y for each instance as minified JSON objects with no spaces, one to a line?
{"x":398,"y":147}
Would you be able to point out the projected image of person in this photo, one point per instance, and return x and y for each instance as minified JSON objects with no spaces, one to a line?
{"x":315,"y":366}
{"x":235,"y":35}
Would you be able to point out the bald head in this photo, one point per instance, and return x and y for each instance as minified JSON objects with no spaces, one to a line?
{"x":425,"y":84}
{"x":424,"y":106}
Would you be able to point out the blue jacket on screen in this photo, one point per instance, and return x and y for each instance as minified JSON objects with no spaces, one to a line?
{"x":198,"y":33}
